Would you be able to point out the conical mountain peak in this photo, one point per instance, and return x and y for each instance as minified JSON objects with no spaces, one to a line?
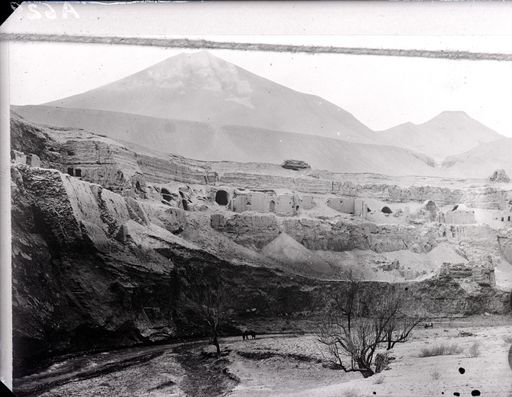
{"x":451,"y":116}
{"x":199,"y":86}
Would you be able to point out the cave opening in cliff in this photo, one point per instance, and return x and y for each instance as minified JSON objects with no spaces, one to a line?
{"x":185,"y":204}
{"x":70,"y":171}
{"x":386,"y":210}
{"x":166,"y":194}
{"x":78,"y":172}
{"x":272,"y":206}
{"x":221,"y":197}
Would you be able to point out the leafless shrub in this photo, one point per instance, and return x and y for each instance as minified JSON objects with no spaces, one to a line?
{"x":435,"y":375}
{"x":382,"y":361}
{"x":441,"y":350}
{"x":356,"y":324}
{"x":474,"y":350}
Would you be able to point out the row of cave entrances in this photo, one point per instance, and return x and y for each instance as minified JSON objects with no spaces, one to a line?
{"x":222,"y":198}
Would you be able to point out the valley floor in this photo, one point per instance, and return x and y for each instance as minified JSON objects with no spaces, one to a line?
{"x":290,"y":365}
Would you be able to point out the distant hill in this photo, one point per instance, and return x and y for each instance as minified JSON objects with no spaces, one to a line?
{"x":202,"y":87}
{"x":203,"y":141}
{"x":447,"y":134}
{"x":481,"y":161}
{"x":202,"y":107}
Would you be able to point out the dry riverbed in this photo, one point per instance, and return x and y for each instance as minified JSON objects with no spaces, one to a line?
{"x":290,"y":365}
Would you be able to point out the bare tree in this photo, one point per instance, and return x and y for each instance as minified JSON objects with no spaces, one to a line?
{"x":209,"y":305}
{"x":402,"y":322}
{"x":356,"y":324}
{"x":400,"y":329}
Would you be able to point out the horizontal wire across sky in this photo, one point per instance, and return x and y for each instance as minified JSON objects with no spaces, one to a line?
{"x":264,"y":47}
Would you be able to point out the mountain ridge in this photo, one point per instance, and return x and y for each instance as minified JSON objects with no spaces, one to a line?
{"x":482,"y":160}
{"x":203,"y":141}
{"x":446,"y":134}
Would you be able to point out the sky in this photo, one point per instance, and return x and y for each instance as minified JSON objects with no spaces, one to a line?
{"x":380,"y":91}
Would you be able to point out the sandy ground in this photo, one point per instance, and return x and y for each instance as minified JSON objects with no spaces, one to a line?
{"x":411,"y":375}
{"x":290,"y":365}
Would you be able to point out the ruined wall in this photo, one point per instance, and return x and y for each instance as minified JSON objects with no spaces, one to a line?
{"x":479,"y":197}
{"x":505,"y":216}
{"x":459,"y":217}
{"x":239,"y":203}
{"x":489,"y":197}
{"x":360,"y":208}
{"x":342,"y":204}
{"x":257,"y":230}
{"x":398,"y":194}
{"x":287,"y":204}
{"x":250,"y":201}
{"x":504,"y":239}
{"x":348,"y":205}
{"x":259,"y":202}
{"x":307,"y":202}
{"x":481,"y":273}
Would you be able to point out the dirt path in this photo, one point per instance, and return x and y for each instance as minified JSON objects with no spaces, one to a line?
{"x":179,"y":369}
{"x":205,"y":375}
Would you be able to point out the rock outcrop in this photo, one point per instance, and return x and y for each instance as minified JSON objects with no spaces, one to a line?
{"x":295,"y":165}
{"x":499,"y":176}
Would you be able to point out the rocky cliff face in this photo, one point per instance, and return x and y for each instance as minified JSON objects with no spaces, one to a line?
{"x":91,"y":270}
{"x":114,"y":256}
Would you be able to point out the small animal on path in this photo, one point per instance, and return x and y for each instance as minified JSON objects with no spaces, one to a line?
{"x":246,"y":334}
